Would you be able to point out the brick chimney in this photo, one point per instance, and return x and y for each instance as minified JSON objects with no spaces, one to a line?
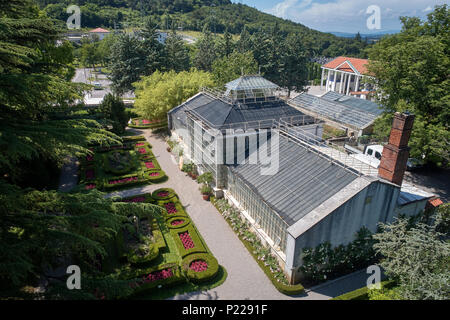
{"x":396,"y":152}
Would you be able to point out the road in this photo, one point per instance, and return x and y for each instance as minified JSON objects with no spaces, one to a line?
{"x":435,"y":181}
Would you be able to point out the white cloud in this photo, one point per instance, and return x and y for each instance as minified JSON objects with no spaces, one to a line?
{"x":350,"y":15}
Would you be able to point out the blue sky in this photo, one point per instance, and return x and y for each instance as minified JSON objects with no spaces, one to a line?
{"x":344,"y":15}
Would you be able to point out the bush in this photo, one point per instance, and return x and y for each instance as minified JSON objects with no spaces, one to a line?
{"x":151,"y":176}
{"x":363,"y":293}
{"x":137,"y":123}
{"x":170,"y":193}
{"x":198,"y":277}
{"x":185,"y":222}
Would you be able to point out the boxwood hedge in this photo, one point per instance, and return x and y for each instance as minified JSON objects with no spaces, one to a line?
{"x":197,"y":277}
{"x":198,"y":243}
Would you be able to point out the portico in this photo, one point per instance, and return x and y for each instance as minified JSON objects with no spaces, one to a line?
{"x":344,"y":75}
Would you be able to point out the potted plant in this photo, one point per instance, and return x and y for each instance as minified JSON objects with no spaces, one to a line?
{"x":206,"y":191}
{"x":194,"y":173}
{"x":206,"y":178}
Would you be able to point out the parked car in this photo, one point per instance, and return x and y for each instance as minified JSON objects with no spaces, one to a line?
{"x":414,"y":164}
{"x":97,"y":86}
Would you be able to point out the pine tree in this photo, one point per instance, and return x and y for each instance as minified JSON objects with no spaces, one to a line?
{"x":113,"y":109}
{"x":207,"y":50}
{"x":177,"y":57}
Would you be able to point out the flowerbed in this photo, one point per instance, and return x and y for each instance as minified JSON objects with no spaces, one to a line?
{"x":90,"y":174}
{"x":186,"y":240}
{"x":177,"y":222}
{"x":125,"y":180}
{"x":170,"y":207}
{"x":142,"y":151}
{"x":163,"y":194}
{"x":150,"y":165}
{"x":198,"y":266}
{"x":136,"y":200}
{"x":90,"y":186}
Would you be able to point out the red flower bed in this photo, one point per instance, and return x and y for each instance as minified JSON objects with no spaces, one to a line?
{"x":90,"y":174}
{"x":140,"y":144}
{"x":123,"y":180}
{"x":150,"y":165}
{"x":170,"y":207}
{"x":186,"y":240}
{"x":142,"y":151}
{"x":138,"y":199}
{"x":90,"y":158}
{"x":176,"y":222}
{"x":157,"y":275}
{"x":198,"y":266}
{"x":90,"y":186}
{"x":163,"y":194}
{"x":146,"y":122}
{"x":154,"y":174}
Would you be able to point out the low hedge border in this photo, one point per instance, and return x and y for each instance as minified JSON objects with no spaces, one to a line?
{"x":133,"y":138}
{"x":203,"y":276}
{"x":107,"y":185}
{"x":186,"y":221}
{"x":171,"y":194}
{"x":155,"y":164}
{"x":198,"y":243}
{"x":157,"y":179}
{"x":178,"y":207}
{"x":136,"y":259}
{"x":147,"y":149}
{"x":147,"y":196}
{"x":285,"y":289}
{"x":363,"y":293}
{"x":135,"y":124}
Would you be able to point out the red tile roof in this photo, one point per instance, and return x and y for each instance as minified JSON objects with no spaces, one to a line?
{"x":99,"y":30}
{"x":435,"y":202}
{"x":358,"y":64}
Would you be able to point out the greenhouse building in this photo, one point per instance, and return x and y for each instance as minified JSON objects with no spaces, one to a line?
{"x":315,"y":193}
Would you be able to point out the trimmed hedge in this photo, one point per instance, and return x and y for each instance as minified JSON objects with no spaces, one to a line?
{"x":155,"y":179}
{"x":137,"y":124}
{"x":362,"y":293}
{"x":128,"y":166}
{"x":203,"y":276}
{"x":148,"y":198}
{"x":133,"y":138}
{"x":171,"y":194}
{"x":198,"y":243}
{"x":186,"y":222}
{"x":178,"y":207}
{"x":153,"y":253}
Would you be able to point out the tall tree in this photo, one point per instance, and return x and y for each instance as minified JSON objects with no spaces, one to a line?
{"x":177,"y":54}
{"x":113,"y":108}
{"x":244,"y":43}
{"x":293,"y":67}
{"x":410,"y":72}
{"x":206,"y":50}
{"x":232,"y":67}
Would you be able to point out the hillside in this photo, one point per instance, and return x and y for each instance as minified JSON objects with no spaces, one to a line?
{"x":194,"y":14}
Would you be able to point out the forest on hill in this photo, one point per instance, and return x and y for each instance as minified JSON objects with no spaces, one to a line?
{"x":218,"y":15}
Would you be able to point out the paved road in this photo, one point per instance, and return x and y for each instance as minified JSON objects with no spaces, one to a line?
{"x":434,"y":181}
{"x":246,"y":280}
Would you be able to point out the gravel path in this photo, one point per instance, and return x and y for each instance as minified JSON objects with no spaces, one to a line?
{"x":246,"y":280}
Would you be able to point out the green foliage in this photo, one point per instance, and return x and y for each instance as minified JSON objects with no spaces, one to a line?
{"x":261,"y":254}
{"x":207,"y":51}
{"x":233,"y":66}
{"x":325,"y":263}
{"x":198,"y":243}
{"x":368,"y":294}
{"x":177,"y":53}
{"x":411,"y":73}
{"x":198,"y":277}
{"x":113,"y":109}
{"x":159,"y":93}
{"x":206,"y":178}
{"x":417,"y":257}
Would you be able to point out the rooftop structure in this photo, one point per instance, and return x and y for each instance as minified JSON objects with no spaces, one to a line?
{"x":347,"y":112}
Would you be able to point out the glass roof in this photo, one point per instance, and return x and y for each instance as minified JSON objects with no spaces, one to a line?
{"x":250,"y":82}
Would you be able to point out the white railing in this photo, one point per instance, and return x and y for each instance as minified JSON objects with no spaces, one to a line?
{"x":330,"y":152}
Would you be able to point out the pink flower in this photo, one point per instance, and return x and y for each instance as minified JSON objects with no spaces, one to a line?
{"x":142,"y":151}
{"x":140,"y":144}
{"x":90,"y":174}
{"x":177,"y":222}
{"x":170,"y":207}
{"x":154,"y":174}
{"x":163,"y":194}
{"x":187,"y":241}
{"x":131,"y":179}
{"x":150,"y":165}
{"x":138,"y":199}
{"x":90,"y":186}
{"x":198,"y":266}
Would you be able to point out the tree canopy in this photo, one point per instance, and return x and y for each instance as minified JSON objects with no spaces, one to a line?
{"x":411,"y":73}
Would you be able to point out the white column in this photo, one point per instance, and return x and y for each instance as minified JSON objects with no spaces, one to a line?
{"x":341,"y":82}
{"x":328,"y":81}
{"x":333,"y":86}
{"x":321,"y":79}
{"x":357,"y":84}
{"x":349,"y":82}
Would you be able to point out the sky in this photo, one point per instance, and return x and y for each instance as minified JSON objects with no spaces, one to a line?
{"x":346,"y":15}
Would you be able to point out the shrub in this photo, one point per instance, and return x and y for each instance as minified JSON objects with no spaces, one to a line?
{"x":212,"y":267}
{"x":163,"y":194}
{"x":155,"y":176}
{"x":178,"y":222}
